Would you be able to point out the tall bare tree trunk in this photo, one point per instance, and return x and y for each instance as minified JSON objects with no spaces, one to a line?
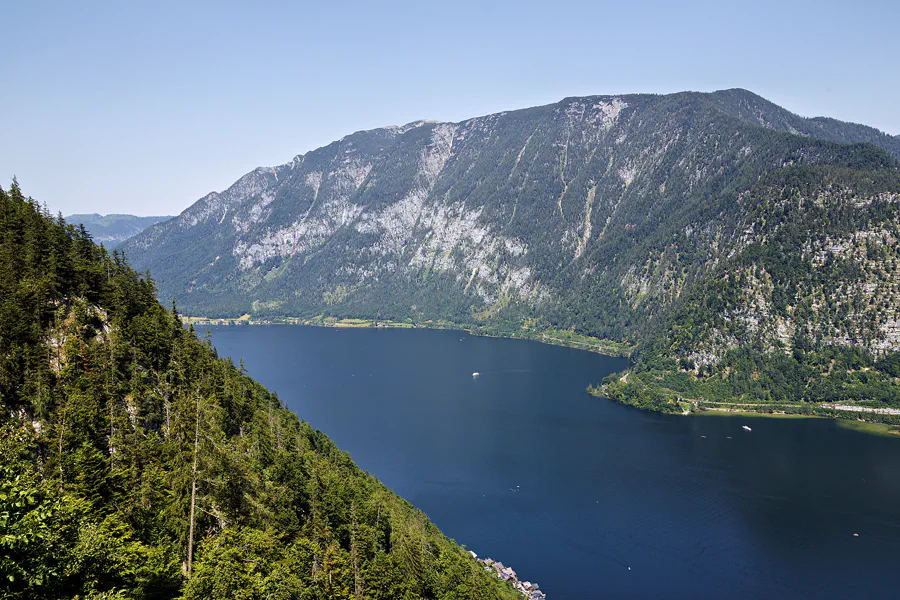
{"x":354,"y":554}
{"x":315,"y":531}
{"x":190,"y":556}
{"x":377,"y":525}
{"x":167,"y":409}
{"x":112,"y":404}
{"x":62,"y":430}
{"x":422,"y":549}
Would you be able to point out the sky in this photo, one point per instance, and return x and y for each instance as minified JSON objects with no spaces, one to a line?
{"x":109,"y":107}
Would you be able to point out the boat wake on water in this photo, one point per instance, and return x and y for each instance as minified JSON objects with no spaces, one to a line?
{"x":479,"y":373}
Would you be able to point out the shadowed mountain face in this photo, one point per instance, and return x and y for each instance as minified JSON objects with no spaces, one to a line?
{"x":111,"y":230}
{"x":594,"y":213}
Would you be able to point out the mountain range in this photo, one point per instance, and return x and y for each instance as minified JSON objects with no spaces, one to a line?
{"x":113,"y":229}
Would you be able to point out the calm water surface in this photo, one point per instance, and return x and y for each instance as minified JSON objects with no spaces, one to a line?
{"x":767,"y":514}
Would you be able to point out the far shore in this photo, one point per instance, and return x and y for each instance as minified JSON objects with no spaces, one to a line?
{"x":730,"y":412}
{"x":882,"y":429}
{"x":568,"y":339}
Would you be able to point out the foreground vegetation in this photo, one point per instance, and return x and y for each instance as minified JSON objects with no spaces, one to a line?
{"x":135,"y":463}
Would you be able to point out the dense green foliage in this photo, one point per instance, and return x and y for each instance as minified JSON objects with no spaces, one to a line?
{"x":801,"y":310}
{"x":134,"y":463}
{"x":744,"y":379}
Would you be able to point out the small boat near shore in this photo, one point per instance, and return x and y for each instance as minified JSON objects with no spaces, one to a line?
{"x":747,"y":428}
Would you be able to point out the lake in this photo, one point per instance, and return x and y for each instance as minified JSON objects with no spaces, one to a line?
{"x":521,"y":465}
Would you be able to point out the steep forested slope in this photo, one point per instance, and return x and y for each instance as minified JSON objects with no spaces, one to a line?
{"x":800,"y":308}
{"x":134,"y":463}
{"x":590,"y":214}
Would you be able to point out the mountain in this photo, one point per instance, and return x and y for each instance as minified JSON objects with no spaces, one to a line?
{"x":135,"y":463}
{"x":111,"y":230}
{"x":603,"y":220}
{"x":552,"y":217}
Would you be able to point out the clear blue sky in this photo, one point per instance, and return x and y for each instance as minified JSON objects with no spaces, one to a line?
{"x":111,"y":108}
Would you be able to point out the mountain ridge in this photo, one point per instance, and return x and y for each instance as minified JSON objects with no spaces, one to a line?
{"x":114,"y":228}
{"x":381,"y":222}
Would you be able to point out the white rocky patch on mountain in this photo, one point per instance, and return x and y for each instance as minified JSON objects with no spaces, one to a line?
{"x":446,"y":237}
{"x":216,"y":205}
{"x":310,"y":232}
{"x":435,"y":157}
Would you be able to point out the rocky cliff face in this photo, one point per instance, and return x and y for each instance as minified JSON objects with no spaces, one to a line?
{"x":593,"y":213}
{"x":813,"y":262}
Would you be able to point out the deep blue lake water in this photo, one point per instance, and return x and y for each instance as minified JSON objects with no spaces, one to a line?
{"x":602,"y":487}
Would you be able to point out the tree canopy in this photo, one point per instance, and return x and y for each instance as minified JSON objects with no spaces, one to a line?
{"x":135,"y":463}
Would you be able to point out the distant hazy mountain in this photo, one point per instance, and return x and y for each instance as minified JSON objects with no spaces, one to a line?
{"x":111,"y":230}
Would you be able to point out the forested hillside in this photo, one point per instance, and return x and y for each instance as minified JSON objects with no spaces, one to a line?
{"x":134,"y":463}
{"x":800,"y":311}
{"x":591,"y":215}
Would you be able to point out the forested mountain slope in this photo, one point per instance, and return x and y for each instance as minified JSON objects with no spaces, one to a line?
{"x":113,"y":229}
{"x":802,"y":310}
{"x":134,"y":463}
{"x":592,"y":214}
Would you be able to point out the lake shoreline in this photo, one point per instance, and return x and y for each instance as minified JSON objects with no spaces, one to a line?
{"x":845,"y":420}
{"x":596,"y":345}
{"x":551,"y":337}
{"x":407,"y":409}
{"x":861,"y":425}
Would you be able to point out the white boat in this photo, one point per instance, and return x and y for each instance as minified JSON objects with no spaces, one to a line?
{"x":747,"y":428}
{"x":475,"y":374}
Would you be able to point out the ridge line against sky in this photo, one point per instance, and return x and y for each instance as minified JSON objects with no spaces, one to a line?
{"x":144,"y":110}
